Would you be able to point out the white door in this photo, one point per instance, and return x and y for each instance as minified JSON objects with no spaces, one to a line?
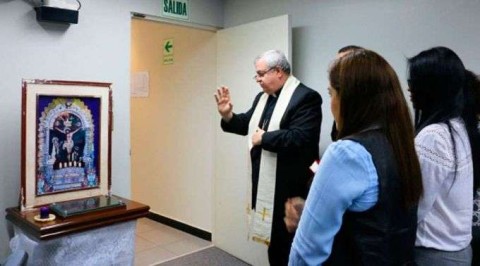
{"x":237,"y":48}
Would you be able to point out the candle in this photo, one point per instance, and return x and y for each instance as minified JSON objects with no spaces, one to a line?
{"x":44,"y":212}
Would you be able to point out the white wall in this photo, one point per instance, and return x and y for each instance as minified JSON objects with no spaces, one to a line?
{"x":395,"y":29}
{"x":96,"y":49}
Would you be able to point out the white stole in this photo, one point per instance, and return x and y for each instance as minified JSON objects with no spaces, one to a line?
{"x":260,"y":219}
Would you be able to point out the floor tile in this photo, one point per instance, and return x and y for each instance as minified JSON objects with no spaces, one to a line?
{"x":187,"y":245}
{"x":156,"y":242}
{"x":142,"y":244}
{"x":162,"y":237}
{"x":145,"y":224}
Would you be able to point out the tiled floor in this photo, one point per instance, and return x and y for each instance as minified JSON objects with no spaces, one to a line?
{"x":156,"y":242}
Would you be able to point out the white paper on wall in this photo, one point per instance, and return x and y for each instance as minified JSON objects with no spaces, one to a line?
{"x":139,"y":85}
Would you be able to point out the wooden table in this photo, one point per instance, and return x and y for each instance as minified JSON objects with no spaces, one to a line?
{"x":78,"y":223}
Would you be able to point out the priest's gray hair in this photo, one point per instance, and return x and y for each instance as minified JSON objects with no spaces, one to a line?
{"x":275,"y":58}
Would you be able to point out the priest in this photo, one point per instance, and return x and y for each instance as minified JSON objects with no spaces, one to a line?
{"x":283,"y":129}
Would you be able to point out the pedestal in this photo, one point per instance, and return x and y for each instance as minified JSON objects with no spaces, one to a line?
{"x":105,"y":237}
{"x":110,"y":245}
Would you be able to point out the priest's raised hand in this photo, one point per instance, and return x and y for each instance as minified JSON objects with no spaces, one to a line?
{"x":224,"y":103}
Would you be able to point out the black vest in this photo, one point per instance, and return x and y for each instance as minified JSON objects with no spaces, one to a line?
{"x":384,"y":234}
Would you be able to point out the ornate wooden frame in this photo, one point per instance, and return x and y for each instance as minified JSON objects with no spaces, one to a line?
{"x":66,"y":141}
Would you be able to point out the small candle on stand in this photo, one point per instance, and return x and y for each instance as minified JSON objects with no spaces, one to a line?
{"x":44,"y":212}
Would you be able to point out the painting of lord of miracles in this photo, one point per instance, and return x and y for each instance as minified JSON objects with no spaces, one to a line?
{"x":68,"y":144}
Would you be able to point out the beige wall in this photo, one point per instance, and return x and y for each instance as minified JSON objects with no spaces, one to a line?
{"x":172,"y":129}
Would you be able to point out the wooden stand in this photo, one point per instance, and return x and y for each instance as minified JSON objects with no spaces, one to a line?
{"x":79,"y":223}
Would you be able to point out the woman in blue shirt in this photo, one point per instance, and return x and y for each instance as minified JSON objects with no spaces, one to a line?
{"x":361,"y":208}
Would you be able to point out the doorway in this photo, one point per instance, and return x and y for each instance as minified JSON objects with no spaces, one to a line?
{"x":171,"y":128}
{"x":183,"y":165}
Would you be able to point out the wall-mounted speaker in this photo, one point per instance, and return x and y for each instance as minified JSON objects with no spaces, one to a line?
{"x":59,"y":15}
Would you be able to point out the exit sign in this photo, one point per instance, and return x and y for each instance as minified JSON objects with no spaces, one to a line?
{"x":178,"y":9}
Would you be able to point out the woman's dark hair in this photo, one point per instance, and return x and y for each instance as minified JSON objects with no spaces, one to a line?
{"x":348,"y":48}
{"x":370,"y":94}
{"x":440,"y":92}
{"x":473,"y":83}
{"x":471,"y":116}
{"x":436,"y":80}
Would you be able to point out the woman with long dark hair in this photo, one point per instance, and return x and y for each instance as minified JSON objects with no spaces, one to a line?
{"x":361,"y":208}
{"x":447,"y":144}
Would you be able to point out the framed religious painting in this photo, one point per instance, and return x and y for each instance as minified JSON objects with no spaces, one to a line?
{"x":66,"y":135}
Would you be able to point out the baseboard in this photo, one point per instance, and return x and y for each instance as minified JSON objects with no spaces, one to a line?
{"x":180,"y":226}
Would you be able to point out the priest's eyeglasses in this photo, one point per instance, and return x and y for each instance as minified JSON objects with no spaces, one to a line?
{"x":261,"y":73}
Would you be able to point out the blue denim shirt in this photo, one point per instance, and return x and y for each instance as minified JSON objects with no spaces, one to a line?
{"x":346,"y":180}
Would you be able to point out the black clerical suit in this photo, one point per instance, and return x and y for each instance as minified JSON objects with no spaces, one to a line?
{"x":296,"y":145}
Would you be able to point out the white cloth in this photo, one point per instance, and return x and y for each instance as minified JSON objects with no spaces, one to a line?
{"x":110,"y":245}
{"x":445,"y":210}
{"x":260,"y":218}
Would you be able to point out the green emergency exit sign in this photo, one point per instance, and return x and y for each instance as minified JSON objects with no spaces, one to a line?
{"x":168,"y":51}
{"x":178,"y":9}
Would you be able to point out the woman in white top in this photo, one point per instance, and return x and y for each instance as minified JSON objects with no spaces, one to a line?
{"x":447,"y":143}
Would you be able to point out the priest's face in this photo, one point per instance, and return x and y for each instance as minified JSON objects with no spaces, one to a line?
{"x":269,"y":78}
